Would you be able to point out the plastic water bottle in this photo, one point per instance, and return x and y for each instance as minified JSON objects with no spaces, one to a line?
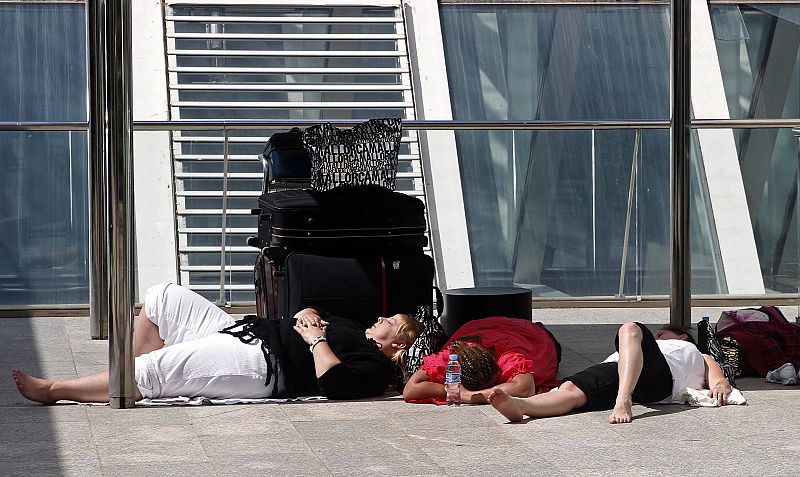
{"x":452,"y":381}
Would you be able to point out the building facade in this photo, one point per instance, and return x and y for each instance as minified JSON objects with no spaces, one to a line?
{"x":573,"y":213}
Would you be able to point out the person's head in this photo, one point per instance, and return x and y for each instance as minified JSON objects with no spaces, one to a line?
{"x":394,"y":334}
{"x":478,"y":367}
{"x":674,"y":332}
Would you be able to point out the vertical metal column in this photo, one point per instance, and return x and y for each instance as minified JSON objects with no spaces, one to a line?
{"x":98,"y":200}
{"x":120,"y":195}
{"x":223,"y":234}
{"x":680,"y":297}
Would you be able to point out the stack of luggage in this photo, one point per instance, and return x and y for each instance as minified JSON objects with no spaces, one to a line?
{"x":354,"y":249}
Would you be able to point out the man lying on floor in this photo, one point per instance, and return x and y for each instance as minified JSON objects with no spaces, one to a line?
{"x":645,"y":369}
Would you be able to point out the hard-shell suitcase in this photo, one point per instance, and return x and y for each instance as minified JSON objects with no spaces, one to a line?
{"x":361,"y":288}
{"x":345,"y":221}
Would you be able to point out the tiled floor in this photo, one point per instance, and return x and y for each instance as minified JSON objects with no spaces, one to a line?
{"x":382,"y":436}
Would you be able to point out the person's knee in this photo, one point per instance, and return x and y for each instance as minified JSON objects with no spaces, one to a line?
{"x":576,"y":395}
{"x":154,"y":299}
{"x":630,"y":330}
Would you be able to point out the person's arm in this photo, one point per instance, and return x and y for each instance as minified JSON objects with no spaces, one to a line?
{"x":521,"y":385}
{"x":310,"y":329}
{"x":419,"y":386}
{"x":351,"y":379}
{"x":718,"y":385}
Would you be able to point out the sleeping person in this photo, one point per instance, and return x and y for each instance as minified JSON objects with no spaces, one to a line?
{"x":186,"y":346}
{"x":645,"y":369}
{"x":515,"y":355}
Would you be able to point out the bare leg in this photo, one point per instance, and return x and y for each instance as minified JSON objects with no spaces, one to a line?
{"x":91,"y":388}
{"x":556,"y":403}
{"x":630,"y":368}
{"x":145,"y":335}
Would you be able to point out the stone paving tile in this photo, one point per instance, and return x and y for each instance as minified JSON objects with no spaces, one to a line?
{"x":257,"y":446}
{"x":385,"y":456}
{"x":270,"y":464}
{"x":42,"y":468}
{"x":139,"y":422}
{"x":166,"y":444}
{"x":147,"y":468}
{"x":322,"y":410}
{"x":86,"y":369}
{"x":18,"y":415}
{"x":464,"y":460}
{"x":344,"y":429}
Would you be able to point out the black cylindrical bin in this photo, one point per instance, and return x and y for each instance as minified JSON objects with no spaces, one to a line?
{"x":465,"y":304}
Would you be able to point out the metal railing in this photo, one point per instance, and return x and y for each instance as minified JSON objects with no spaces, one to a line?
{"x":416,"y":124}
{"x":226,"y":126}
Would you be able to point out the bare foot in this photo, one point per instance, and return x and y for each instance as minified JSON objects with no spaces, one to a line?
{"x":506,"y":405}
{"x":35,"y":389}
{"x":622,"y":413}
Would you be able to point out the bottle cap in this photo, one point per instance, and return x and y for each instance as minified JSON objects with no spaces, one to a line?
{"x":453,"y":357}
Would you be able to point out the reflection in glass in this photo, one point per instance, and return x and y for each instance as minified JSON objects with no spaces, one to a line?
{"x":547,"y":209}
{"x":44,"y":225}
{"x":43,"y":175}
{"x":760,"y":75}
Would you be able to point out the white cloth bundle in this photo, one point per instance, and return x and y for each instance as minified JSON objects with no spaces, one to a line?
{"x":700,"y":397}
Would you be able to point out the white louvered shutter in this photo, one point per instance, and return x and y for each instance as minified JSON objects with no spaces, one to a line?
{"x":284,"y":60}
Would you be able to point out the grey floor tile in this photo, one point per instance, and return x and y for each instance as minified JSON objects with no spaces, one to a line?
{"x":147,"y":468}
{"x":323,"y":410}
{"x":20,"y":415}
{"x":165,"y":444}
{"x":268,"y":464}
{"x":387,"y":456}
{"x":51,"y":469}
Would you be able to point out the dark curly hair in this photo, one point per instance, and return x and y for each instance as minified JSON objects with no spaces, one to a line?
{"x":680,"y":330}
{"x":478,"y":367}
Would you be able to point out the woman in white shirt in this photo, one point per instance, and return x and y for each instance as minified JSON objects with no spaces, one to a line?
{"x":645,"y":369}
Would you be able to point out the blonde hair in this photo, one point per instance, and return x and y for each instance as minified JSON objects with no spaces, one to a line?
{"x":408,"y":331}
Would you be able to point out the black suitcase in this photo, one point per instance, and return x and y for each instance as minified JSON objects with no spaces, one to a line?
{"x":347,"y":221}
{"x":361,"y":288}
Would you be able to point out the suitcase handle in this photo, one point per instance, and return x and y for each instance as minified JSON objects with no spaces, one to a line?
{"x":439,"y":301}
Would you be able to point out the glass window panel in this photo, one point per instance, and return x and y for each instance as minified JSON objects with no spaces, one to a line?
{"x":43,"y":49}
{"x":548,"y":209}
{"x":760,"y":73}
{"x":43,"y":175}
{"x":44,"y":228}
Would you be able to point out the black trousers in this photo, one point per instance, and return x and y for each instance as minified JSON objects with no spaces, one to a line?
{"x":600,"y":382}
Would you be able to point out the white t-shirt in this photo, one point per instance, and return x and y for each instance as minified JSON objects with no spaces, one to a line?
{"x":685,"y":363}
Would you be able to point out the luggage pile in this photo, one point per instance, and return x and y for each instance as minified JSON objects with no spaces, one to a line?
{"x":349,"y":244}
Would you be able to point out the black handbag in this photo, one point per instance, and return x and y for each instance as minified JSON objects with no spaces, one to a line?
{"x":285,"y":159}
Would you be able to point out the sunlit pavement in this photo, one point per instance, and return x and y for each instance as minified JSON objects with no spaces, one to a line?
{"x":384,"y":436}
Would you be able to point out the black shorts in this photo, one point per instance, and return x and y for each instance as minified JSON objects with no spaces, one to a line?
{"x":600,"y":382}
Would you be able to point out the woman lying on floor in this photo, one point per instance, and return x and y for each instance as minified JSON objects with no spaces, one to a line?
{"x":208,"y":353}
{"x":646,"y":369}
{"x":518,"y":356}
